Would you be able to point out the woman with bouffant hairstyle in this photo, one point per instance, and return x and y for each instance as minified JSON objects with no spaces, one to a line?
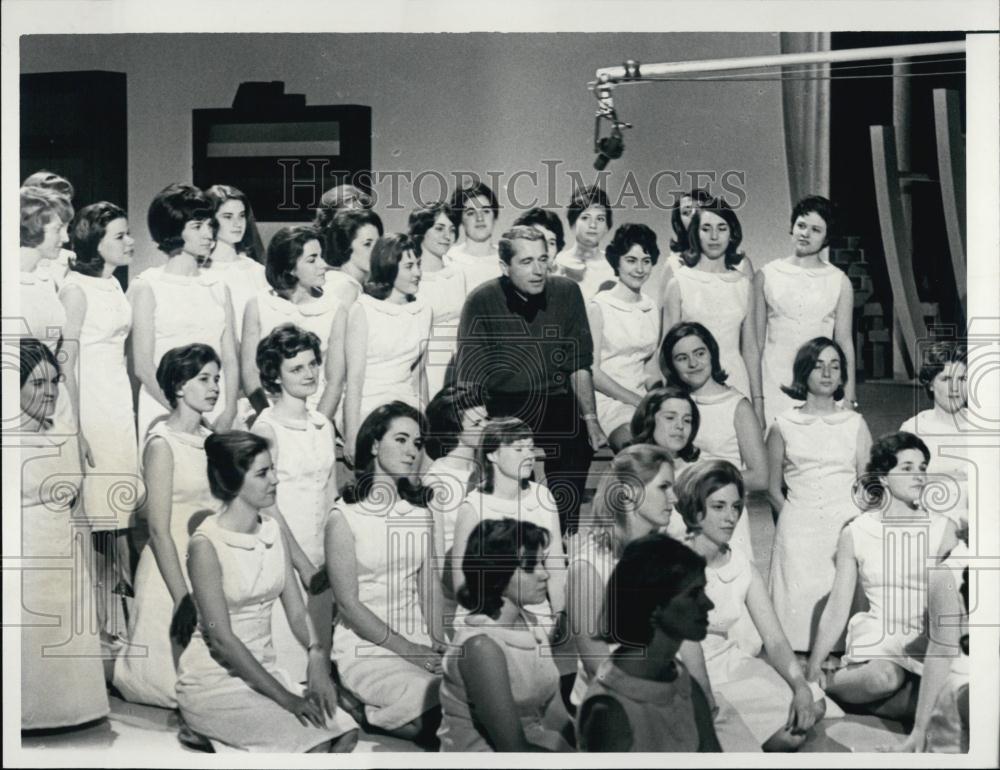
{"x":295,"y":271}
{"x":230,"y":688}
{"x":387,"y":335}
{"x":99,"y":318}
{"x":177,"y":488}
{"x":177,"y":304}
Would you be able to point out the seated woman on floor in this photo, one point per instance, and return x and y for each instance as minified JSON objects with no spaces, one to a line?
{"x":643,"y":698}
{"x":501,"y":685}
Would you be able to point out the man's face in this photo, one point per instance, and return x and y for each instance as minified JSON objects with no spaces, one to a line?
{"x":528,"y":267}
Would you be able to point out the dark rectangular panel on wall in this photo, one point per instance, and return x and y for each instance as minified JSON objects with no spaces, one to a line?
{"x":75,"y":124}
{"x":283,"y":159}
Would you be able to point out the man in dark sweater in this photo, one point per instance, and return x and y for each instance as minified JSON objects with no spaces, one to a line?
{"x":525,"y":341}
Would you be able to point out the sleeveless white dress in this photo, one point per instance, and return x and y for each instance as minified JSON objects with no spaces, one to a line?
{"x":534,"y":683}
{"x":444,"y":292}
{"x":591,"y":275}
{"x":720,"y":302}
{"x":305,"y":464}
{"x":51,"y":594}
{"x":820,"y":470}
{"x":245,"y":279}
{"x":215,"y":701}
{"x":892,"y":556}
{"x":477,"y":270}
{"x":717,"y":441}
{"x":801,"y":304}
{"x":390,"y":547}
{"x":340,"y":286}
{"x":189,"y":309}
{"x":113,"y":488}
{"x":630,"y":337}
{"x":587,"y":549}
{"x":396,"y":336}
{"x":144,"y":670}
{"x":317,"y":317}
{"x":43,"y":317}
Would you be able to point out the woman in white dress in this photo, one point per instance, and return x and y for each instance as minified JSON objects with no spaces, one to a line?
{"x":98,"y":319}
{"x":177,"y":494}
{"x":238,"y":255}
{"x":711,"y":289}
{"x":728,"y":428}
{"x":798,"y":298}
{"x":387,"y":333}
{"x":349,"y":236}
{"x":815,"y":451}
{"x":770,"y":699}
{"x":625,"y":329}
{"x":230,"y":688}
{"x":62,"y":676}
{"x":634,"y":498}
{"x":589,"y":217}
{"x":680,"y":218}
{"x":475,"y":208}
{"x":304,"y":459}
{"x":442,"y":286}
{"x":501,"y":687}
{"x":887,"y":548}
{"x":506,"y":459}
{"x":388,"y":641}
{"x":945,"y":429}
{"x":455,"y":419}
{"x":177,"y":304}
{"x":44,"y":217}
{"x":296,"y":273}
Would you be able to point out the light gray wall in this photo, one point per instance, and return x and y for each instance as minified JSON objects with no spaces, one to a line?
{"x":445,"y":102}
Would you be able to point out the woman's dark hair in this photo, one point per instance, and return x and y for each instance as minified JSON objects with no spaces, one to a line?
{"x":936,"y":356}
{"x":697,"y":482}
{"x":179,"y":365}
{"x":722,"y":210}
{"x":679,"y":243}
{"x":543,"y":218}
{"x":49,"y":180}
{"x":32,"y":353}
{"x":230,"y":455}
{"x":373,"y":429}
{"x":172,"y":208}
{"x":463,"y":195}
{"x":651,"y":572}
{"x":86,"y":232}
{"x":423,"y":219}
{"x":283,"y":253}
{"x":883,"y":458}
{"x":251,"y":243}
{"x":386,"y":256}
{"x":805,"y":362}
{"x":497,"y":433}
{"x":495,"y":550}
{"x":334,"y":200}
{"x":627,"y":236}
{"x":676,"y":334}
{"x":444,"y":417}
{"x":339,"y":233}
{"x":643,"y":424}
{"x":283,"y":342}
{"x":585,"y":197}
{"x":816,"y":204}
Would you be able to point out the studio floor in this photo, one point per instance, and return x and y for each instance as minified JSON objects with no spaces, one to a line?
{"x":131,"y":730}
